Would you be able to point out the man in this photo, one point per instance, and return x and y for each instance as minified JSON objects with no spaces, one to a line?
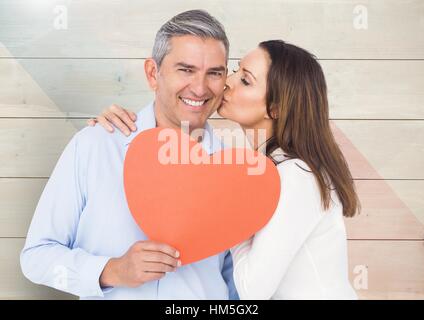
{"x":83,"y":239}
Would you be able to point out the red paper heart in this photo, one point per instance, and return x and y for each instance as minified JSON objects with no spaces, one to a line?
{"x":199,"y":209}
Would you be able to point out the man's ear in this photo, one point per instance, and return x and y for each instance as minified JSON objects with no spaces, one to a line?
{"x":151,"y":71}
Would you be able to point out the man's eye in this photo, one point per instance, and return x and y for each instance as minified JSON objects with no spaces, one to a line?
{"x":185,"y":70}
{"x":216,"y":73}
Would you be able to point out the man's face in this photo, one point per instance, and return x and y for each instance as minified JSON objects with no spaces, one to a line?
{"x":191,"y":80}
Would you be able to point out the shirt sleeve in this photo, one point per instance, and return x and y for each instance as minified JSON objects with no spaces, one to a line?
{"x":49,"y":256}
{"x":261,"y":262}
{"x":227,"y":274}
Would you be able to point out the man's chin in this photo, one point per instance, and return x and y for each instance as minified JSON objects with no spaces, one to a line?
{"x":194,"y":122}
{"x":219,"y":110}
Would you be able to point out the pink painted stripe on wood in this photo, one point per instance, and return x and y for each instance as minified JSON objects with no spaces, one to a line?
{"x":392,"y":269}
{"x":384,"y":214}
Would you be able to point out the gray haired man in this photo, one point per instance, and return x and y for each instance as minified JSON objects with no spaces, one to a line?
{"x":83,"y":239}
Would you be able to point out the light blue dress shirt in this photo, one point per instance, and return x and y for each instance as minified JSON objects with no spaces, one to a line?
{"x":82,"y":220}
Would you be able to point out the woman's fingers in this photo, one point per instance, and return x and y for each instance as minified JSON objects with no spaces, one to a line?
{"x":105,"y":123}
{"x":120,"y":116}
{"x":117,"y":122}
{"x":91,"y":122}
{"x":133,"y":117}
{"x":127,"y":119}
{"x":116,"y":116}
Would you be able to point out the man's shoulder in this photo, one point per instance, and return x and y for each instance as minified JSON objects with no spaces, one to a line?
{"x":93,"y":137}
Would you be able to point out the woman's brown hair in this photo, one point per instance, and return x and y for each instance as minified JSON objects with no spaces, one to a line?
{"x":296,"y":99}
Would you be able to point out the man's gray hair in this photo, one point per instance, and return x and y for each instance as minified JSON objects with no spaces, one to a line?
{"x":193,"y":22}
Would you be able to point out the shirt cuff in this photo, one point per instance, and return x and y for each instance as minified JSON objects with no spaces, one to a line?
{"x":93,"y":269}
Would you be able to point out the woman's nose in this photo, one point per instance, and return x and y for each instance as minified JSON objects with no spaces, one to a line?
{"x":229,"y":81}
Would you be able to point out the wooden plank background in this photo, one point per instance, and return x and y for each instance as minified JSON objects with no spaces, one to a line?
{"x":52,"y":80}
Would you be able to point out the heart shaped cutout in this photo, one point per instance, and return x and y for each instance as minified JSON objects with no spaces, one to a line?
{"x":200,"y":207}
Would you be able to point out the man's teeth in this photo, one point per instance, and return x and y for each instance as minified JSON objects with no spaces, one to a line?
{"x":193,"y":103}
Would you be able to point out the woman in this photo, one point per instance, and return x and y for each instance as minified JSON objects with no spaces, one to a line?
{"x":302,"y":252}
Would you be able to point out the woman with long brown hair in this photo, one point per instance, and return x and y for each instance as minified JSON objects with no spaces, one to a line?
{"x":302,"y":252}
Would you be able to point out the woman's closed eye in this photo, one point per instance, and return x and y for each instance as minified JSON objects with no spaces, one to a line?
{"x":242,"y":79}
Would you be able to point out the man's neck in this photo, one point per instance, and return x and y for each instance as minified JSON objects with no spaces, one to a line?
{"x":163,"y":122}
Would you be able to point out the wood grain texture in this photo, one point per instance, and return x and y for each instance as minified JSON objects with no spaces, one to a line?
{"x":382,"y":149}
{"x":49,"y":77}
{"x":389,"y":212}
{"x":127,"y":28}
{"x":13,"y":284}
{"x":31,"y":147}
{"x":394,"y":271}
{"x":70,"y":88}
{"x":374,"y":149}
{"x":395,"y":268}
{"x":18,"y":200}
{"x":411,"y":193}
{"x":84,"y":87}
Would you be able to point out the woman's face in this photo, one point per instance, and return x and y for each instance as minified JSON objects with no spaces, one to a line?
{"x":244,"y":99}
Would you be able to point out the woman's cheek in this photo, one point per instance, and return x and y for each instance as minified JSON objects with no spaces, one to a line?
{"x":246,"y":115}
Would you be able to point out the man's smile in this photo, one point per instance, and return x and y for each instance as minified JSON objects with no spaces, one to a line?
{"x":193,"y":103}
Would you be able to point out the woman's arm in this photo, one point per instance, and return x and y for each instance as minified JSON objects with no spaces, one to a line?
{"x":260,"y":263}
{"x":116,"y":116}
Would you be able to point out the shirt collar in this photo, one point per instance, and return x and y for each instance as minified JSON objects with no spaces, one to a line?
{"x":211,"y":143}
{"x":146,"y":120}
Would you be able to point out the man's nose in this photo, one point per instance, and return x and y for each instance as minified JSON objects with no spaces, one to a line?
{"x":199,"y":87}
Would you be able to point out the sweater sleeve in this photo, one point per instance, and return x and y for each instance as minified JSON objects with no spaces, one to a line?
{"x":261,"y":262}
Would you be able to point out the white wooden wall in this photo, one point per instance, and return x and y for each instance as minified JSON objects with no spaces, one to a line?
{"x":52,"y":80}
